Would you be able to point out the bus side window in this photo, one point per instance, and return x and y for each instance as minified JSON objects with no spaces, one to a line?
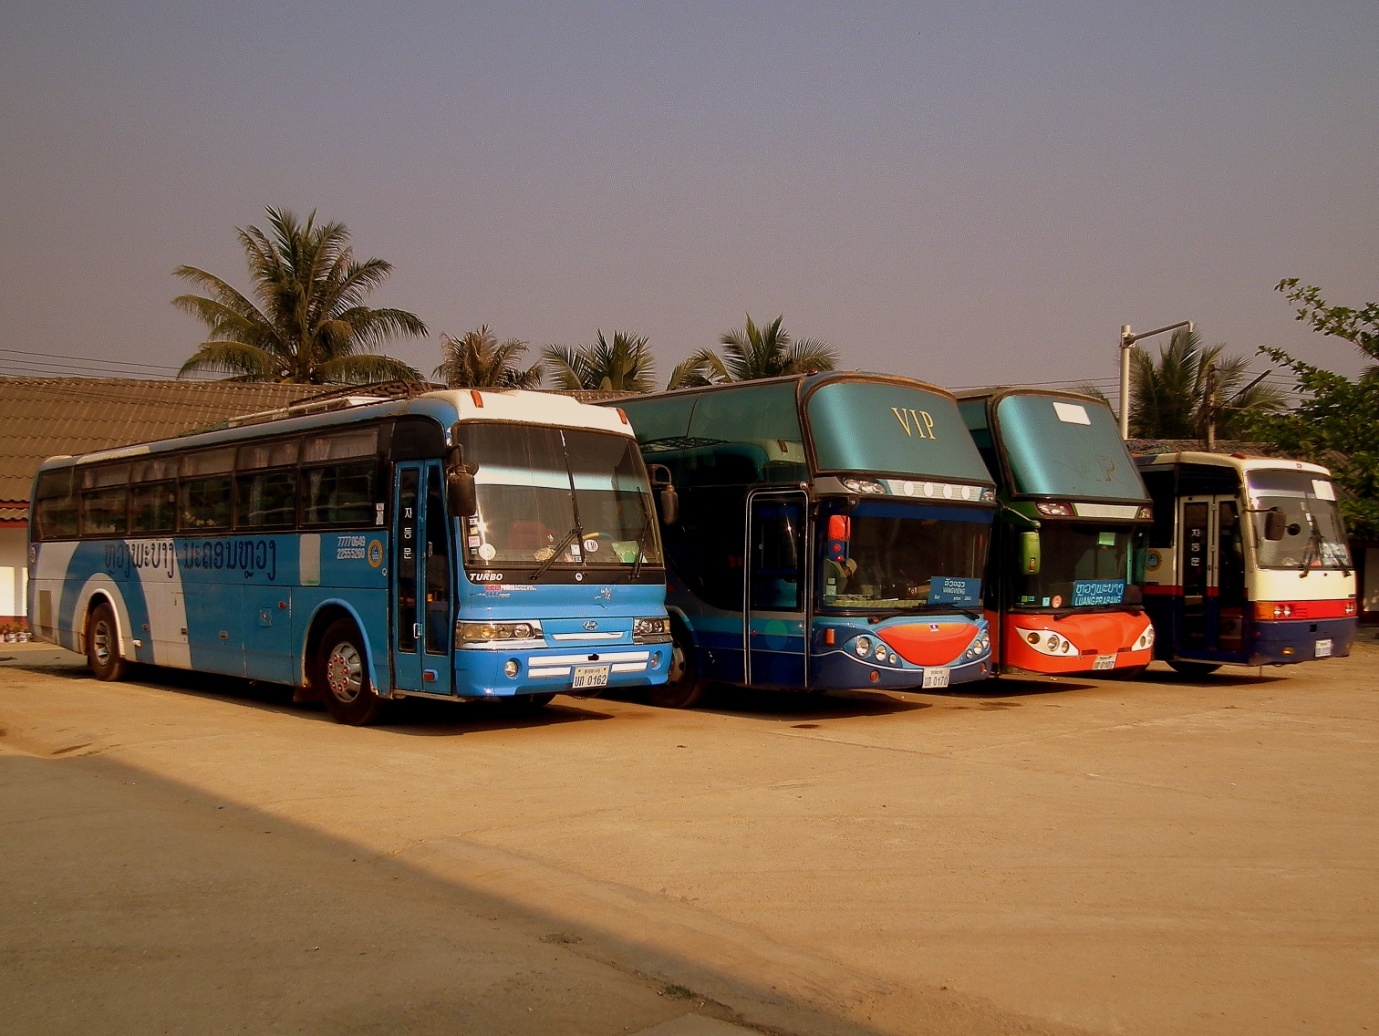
{"x":206,"y":503}
{"x":153,"y":507}
{"x":55,"y":508}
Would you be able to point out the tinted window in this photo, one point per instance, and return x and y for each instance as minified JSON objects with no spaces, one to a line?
{"x":103,"y":511}
{"x":153,"y":507}
{"x":266,"y":499}
{"x":205,"y":504}
{"x":340,"y":494}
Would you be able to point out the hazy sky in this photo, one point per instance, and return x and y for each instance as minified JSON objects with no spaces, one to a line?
{"x":967,"y":193}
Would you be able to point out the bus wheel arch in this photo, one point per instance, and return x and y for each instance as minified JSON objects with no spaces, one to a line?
{"x":340,"y":673}
{"x":101,"y":635}
{"x":683,"y":688}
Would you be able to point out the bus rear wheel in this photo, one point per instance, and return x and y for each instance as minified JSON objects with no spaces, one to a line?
{"x":683,"y":689}
{"x":103,"y":644}
{"x":527,"y":702}
{"x":1193,"y":669}
{"x":343,"y":676}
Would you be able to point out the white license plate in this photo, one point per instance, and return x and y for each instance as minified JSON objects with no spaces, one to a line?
{"x":590,"y":676}
{"x":1324,"y":648}
{"x":936,"y":676}
{"x":1104,"y":662}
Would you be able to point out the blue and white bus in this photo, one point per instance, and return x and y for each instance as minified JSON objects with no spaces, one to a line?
{"x":832,"y":533}
{"x":454,"y":545}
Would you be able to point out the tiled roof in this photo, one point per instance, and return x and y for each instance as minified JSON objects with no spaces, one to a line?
{"x":44,"y":417}
{"x":1223,"y":446}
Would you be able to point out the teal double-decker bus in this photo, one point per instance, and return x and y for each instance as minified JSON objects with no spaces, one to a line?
{"x":1063,"y":592}
{"x":832,"y":532}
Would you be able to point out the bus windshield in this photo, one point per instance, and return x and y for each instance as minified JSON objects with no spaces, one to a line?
{"x":1313,"y":536}
{"x":901,"y":558}
{"x":528,"y":516}
{"x":1081,"y":566}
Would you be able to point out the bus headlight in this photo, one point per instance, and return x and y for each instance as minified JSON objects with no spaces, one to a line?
{"x":511,"y":668}
{"x":1047,"y":643}
{"x":1146,"y":639}
{"x":651,"y":631}
{"x":980,"y":646}
{"x":865,"y":485}
{"x":491,"y":632}
{"x":862,"y":645}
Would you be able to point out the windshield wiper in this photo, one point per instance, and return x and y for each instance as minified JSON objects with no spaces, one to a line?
{"x":565,"y":541}
{"x":1314,"y":545}
{"x":641,"y":549}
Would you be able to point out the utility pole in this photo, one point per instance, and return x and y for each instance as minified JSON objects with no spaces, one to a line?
{"x":1127,"y":339}
{"x":1211,"y":407}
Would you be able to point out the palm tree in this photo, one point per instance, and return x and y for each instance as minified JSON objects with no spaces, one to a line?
{"x":755,"y":352}
{"x":1170,"y":398}
{"x":625,"y":364}
{"x":478,"y":361}
{"x":308,"y":322}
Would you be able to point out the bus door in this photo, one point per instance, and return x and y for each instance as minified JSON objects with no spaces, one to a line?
{"x":423,"y":589}
{"x":1212,"y":565}
{"x":775,"y":619}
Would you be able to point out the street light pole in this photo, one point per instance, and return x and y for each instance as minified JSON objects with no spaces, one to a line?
{"x":1127,"y":339}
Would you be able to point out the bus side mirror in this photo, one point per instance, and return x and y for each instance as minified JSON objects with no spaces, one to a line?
{"x":1274,"y":524}
{"x":667,"y":498}
{"x":461,"y":495}
{"x":1029,"y":552}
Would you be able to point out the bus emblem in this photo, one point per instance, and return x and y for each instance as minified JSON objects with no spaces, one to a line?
{"x":591,"y":625}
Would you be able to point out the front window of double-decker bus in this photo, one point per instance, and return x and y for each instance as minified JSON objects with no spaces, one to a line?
{"x":1080,"y":566}
{"x":882,"y":556}
{"x":1313,"y":535}
{"x":558,"y":500}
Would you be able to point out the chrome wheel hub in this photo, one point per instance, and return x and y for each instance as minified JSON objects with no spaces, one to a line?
{"x":344,"y":672}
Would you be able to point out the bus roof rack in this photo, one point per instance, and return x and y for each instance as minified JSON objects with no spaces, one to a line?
{"x":341,"y":398}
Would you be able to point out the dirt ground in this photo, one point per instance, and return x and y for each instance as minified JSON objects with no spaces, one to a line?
{"x":1158,"y":856}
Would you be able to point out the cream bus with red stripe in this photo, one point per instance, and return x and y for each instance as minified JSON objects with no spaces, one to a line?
{"x":1247,"y":562}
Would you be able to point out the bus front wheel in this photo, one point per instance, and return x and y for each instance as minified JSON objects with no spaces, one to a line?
{"x":683,"y":689}
{"x":103,"y":644}
{"x":343,"y":676}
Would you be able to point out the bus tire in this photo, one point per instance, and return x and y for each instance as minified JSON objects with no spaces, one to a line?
{"x":103,"y":644}
{"x":684,"y":689}
{"x":1193,"y":669}
{"x":342,"y":674}
{"x":527,"y":702}
{"x":1129,"y":672}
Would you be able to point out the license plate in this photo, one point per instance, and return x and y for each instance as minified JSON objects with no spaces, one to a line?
{"x":936,"y":676}
{"x":1324,"y":648}
{"x":1104,"y":662}
{"x":590,"y":676}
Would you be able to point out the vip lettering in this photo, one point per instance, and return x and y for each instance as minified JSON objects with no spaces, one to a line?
{"x":915,"y":422}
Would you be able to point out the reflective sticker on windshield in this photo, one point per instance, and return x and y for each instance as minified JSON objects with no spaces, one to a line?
{"x":1323,"y":490}
{"x":1072,"y":413}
